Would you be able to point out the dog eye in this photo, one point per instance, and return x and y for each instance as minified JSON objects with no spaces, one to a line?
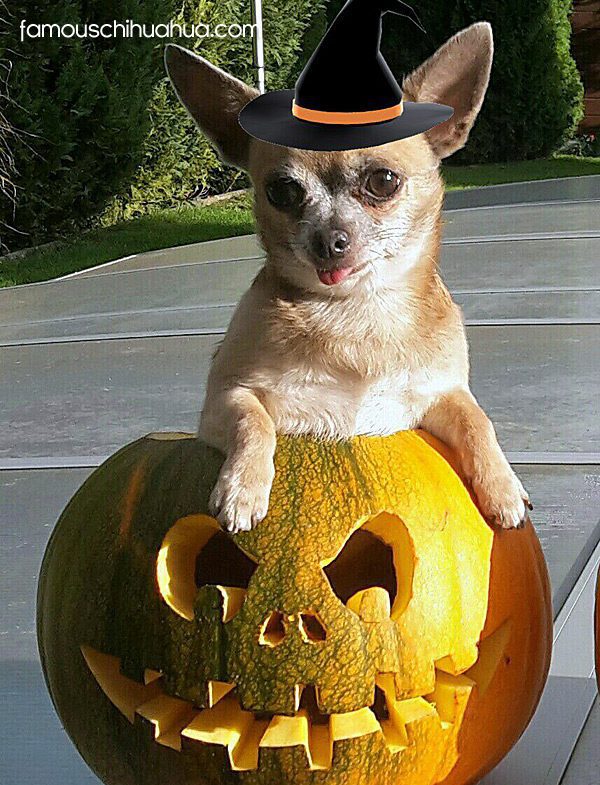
{"x":383,"y":184}
{"x":285,"y":193}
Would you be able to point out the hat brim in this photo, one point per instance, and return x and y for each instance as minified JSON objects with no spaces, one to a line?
{"x":269,"y":117}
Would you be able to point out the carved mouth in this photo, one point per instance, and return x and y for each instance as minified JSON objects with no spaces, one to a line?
{"x":243,"y":733}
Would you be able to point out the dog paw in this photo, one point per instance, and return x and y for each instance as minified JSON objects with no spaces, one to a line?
{"x":502,"y":499}
{"x":240,"y":498}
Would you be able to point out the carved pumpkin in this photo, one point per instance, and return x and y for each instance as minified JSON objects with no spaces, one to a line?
{"x":373,"y":629}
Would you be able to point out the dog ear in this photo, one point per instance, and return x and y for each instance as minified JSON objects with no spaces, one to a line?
{"x":214,"y":99}
{"x":457,"y":75}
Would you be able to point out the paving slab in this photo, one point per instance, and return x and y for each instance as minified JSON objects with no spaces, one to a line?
{"x":515,"y":221}
{"x":244,"y":246}
{"x":35,"y":748}
{"x":503,"y":308}
{"x":150,"y":322}
{"x":79,"y":399}
{"x":483,"y":224}
{"x":583,"y":768}
{"x":539,"y":385}
{"x":552,"y":190}
{"x":530,"y":307}
{"x":169,"y":287}
{"x":527,"y":264}
{"x":30,"y":503}
{"x":94,"y":306}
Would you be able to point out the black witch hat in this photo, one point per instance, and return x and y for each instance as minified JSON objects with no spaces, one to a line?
{"x":346,"y":97}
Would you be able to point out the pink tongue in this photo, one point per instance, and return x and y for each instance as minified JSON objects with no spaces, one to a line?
{"x":331,"y":277}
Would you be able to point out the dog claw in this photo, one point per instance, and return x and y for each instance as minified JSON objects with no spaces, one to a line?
{"x":238,"y":501}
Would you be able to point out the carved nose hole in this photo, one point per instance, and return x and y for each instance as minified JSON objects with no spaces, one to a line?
{"x":312,"y":628}
{"x":272,"y":631}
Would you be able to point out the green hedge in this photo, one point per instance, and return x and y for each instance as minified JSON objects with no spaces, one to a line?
{"x":81,"y":109}
{"x":535,"y":99}
{"x":178,"y":163}
{"x":535,"y":102}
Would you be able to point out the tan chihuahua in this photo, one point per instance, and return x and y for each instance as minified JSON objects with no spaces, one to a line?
{"x":348,"y":328}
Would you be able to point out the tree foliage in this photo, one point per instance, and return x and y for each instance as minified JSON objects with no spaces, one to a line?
{"x":101,"y":131}
{"x":178,"y":163}
{"x":81,"y":108}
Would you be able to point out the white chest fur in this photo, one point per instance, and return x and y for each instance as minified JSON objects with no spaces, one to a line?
{"x":344,"y":407}
{"x":389,"y":405}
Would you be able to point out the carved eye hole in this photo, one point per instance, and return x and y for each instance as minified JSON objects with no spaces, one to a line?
{"x":196,"y":553}
{"x":379,"y":554}
{"x":222,"y":563}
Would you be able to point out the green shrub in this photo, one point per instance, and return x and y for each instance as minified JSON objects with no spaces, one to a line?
{"x":178,"y":164}
{"x":81,"y":110}
{"x":7,"y":141}
{"x":535,"y":98}
{"x":102,"y":131}
{"x":535,"y":101}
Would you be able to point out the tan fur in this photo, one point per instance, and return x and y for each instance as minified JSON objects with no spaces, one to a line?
{"x":381,"y":351}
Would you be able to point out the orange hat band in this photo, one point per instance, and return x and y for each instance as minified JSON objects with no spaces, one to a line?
{"x":347,"y":118}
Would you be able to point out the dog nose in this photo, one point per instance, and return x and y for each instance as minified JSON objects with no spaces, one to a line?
{"x":331,"y":244}
{"x":339,"y":243}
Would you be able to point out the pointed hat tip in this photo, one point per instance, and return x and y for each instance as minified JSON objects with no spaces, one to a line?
{"x":400,"y":9}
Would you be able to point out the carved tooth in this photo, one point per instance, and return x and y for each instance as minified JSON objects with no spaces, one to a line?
{"x":226,"y":724}
{"x":298,"y":690}
{"x":233,"y":599}
{"x":286,"y":731}
{"x":450,"y":696}
{"x":353,"y":724}
{"x":125,"y":694}
{"x":220,"y":724}
{"x":169,"y":716}
{"x":402,"y":713}
{"x":372,"y":605}
{"x":411,"y":710}
{"x":151,"y":675}
{"x":297,"y":731}
{"x":387,"y":683}
{"x":396,"y":738}
{"x":320,"y":747}
{"x":244,"y":756}
{"x":217,"y":690}
{"x":491,"y":651}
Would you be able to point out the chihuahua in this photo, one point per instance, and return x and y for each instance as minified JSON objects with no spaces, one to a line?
{"x":348,"y":329}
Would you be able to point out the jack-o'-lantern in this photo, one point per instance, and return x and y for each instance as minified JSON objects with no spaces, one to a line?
{"x":372,"y":629}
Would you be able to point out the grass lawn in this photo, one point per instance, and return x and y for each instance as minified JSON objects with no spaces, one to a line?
{"x":169,"y":228}
{"x":495,"y":174}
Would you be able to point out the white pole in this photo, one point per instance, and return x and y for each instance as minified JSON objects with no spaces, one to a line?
{"x":258,"y":41}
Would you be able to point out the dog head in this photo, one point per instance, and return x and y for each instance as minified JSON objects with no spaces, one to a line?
{"x":331,"y":222}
